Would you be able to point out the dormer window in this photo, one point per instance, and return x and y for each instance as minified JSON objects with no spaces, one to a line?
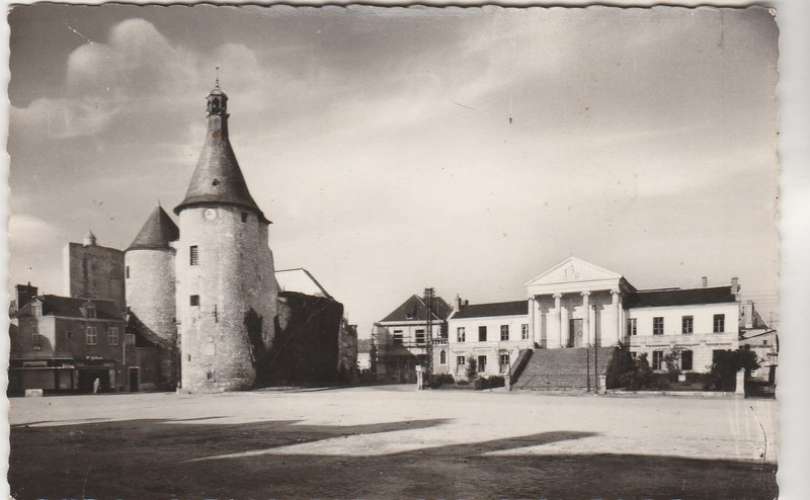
{"x":90,"y":310}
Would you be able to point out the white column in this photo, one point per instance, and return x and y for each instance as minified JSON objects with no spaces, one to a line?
{"x":538,"y":323}
{"x":586,"y":316}
{"x":532,"y":318}
{"x":617,"y":320}
{"x":558,"y":321}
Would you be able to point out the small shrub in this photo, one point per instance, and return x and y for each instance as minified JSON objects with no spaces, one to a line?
{"x":462,"y":382}
{"x":496,"y":381}
{"x":441,"y":379}
{"x":480,"y":383}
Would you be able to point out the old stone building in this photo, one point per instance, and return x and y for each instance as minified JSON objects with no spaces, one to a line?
{"x":92,"y":271}
{"x":226,"y":285}
{"x":200,"y":300}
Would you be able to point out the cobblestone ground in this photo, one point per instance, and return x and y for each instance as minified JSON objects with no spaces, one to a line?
{"x":391,"y":442}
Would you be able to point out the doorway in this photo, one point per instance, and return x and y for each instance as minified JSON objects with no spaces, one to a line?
{"x":575,"y":335}
{"x":133,"y":379}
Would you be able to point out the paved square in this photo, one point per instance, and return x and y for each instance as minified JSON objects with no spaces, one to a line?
{"x":391,"y":442}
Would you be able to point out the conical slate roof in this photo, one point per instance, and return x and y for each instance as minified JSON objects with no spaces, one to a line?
{"x":156,"y":233}
{"x":218,"y":180}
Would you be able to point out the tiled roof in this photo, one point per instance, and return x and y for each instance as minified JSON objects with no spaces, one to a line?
{"x":72,"y":307}
{"x":156,"y":233}
{"x":414,"y":309}
{"x":514,"y":308}
{"x":144,"y":335}
{"x":679,"y":297}
{"x":218,"y":179}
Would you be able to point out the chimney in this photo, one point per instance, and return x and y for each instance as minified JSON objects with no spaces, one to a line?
{"x":735,"y":286}
{"x":466,"y":303}
{"x":748,"y":314}
{"x":459,"y":303}
{"x":704,"y":281}
{"x":25,"y":294}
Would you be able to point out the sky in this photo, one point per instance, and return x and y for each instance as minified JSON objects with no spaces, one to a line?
{"x":399,"y":148}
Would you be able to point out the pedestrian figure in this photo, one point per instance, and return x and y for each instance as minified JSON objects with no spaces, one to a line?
{"x":96,"y":384}
{"x":419,"y":375}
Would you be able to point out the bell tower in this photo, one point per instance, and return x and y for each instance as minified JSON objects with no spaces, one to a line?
{"x":226,"y":286}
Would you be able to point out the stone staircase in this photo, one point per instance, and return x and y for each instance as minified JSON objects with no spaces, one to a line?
{"x":563,"y":369}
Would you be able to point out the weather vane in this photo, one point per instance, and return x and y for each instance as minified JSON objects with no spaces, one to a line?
{"x":217,"y":80}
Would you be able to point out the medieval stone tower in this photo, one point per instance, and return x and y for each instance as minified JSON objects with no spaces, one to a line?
{"x":226,"y":287}
{"x":149,"y":275}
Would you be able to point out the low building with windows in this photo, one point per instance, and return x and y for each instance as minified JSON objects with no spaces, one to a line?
{"x":486,"y":338}
{"x":65,"y":344}
{"x":578,"y":305}
{"x":403,"y":337}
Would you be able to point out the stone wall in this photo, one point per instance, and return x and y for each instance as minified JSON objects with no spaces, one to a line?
{"x":94,"y":272}
{"x":235,"y":282}
{"x":306,"y":347}
{"x":150,"y":290}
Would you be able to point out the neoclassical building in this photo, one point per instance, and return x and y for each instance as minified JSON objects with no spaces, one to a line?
{"x":577,"y":304}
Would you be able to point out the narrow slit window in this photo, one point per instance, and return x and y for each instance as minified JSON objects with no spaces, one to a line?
{"x":194,"y":255}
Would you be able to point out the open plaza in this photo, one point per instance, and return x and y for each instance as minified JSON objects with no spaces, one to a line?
{"x":392,"y":442}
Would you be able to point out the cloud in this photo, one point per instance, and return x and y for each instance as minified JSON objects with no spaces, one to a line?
{"x":25,"y":231}
{"x":62,"y":118}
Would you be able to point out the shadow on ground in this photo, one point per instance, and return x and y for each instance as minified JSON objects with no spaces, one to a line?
{"x":160,"y":459}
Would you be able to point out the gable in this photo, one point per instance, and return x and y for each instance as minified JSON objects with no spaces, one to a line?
{"x":573,"y":269}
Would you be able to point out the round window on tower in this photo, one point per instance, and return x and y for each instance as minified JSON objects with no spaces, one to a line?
{"x":210,"y":214}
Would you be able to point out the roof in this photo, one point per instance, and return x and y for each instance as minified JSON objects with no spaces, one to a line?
{"x":415,"y":309}
{"x":514,"y":308}
{"x":156,"y":233}
{"x":55,"y":305}
{"x":144,"y":335}
{"x":302,"y":281}
{"x":680,"y":297}
{"x":217,"y":179}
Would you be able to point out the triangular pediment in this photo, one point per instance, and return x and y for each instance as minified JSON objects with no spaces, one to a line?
{"x":573,"y":269}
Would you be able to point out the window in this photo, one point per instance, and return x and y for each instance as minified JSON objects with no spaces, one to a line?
{"x":442,"y":358}
{"x":90,"y":335}
{"x":420,"y":337}
{"x":244,"y":216}
{"x":193,"y":255}
{"x":91,"y":310}
{"x":194,"y":300}
{"x":482,"y":364}
{"x":524,"y":331}
{"x":658,"y":358}
{"x":461,"y":360}
{"x":719,"y":323}
{"x":37,"y":346}
{"x":482,"y":334}
{"x":504,"y":332}
{"x":504,"y":358}
{"x":131,"y":341}
{"x":461,"y":335}
{"x":127,"y":272}
{"x":112,"y":335}
{"x":632,"y":326}
{"x":687,"y":324}
{"x":397,"y":339}
{"x":686,"y":360}
{"x":658,"y":325}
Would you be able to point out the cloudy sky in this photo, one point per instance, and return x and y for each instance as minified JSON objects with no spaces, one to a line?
{"x":464,"y":149}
